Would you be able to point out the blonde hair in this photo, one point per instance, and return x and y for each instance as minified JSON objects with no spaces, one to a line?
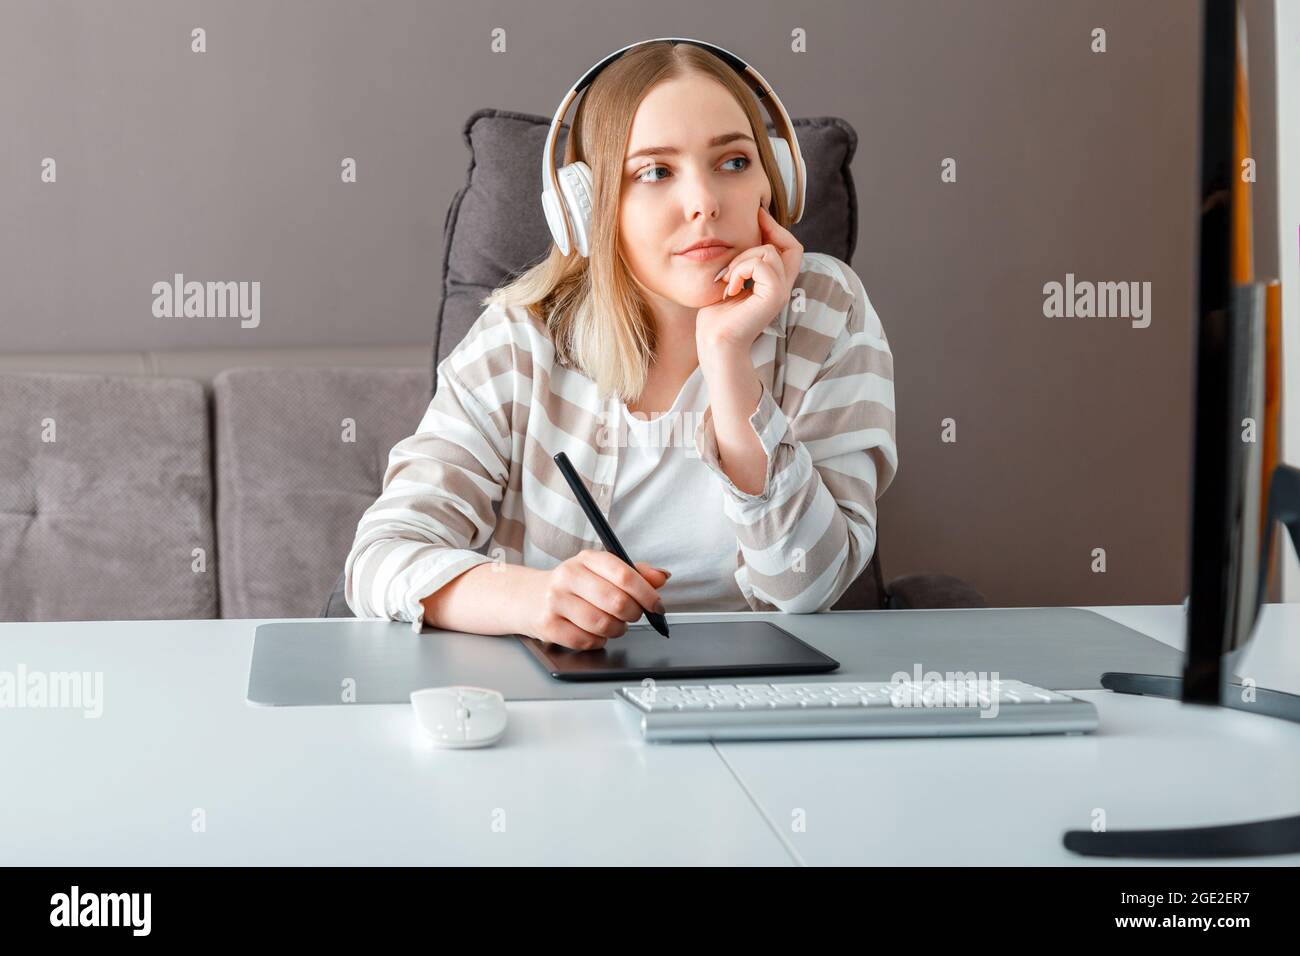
{"x":597,"y":318}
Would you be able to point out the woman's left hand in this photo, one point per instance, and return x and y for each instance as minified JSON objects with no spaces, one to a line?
{"x":736,"y":321}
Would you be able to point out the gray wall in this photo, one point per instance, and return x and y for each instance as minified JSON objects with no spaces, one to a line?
{"x":1072,"y":434}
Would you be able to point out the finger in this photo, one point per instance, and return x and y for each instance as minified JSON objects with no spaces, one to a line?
{"x":570,"y":635}
{"x":588,"y":617}
{"x":746,"y":254}
{"x":657,"y":577}
{"x":612,"y":569}
{"x":751,"y":255}
{"x":773,"y":232}
{"x":764,"y":271}
{"x":753,"y":252}
{"x":783,"y":239}
{"x":610,"y":598}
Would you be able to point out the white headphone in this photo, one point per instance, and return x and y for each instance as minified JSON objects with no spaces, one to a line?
{"x":567,"y":191}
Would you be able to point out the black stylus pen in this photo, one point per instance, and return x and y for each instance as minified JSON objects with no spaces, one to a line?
{"x":611,"y":543}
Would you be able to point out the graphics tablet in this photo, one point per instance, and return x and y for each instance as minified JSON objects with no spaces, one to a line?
{"x":702,"y":649}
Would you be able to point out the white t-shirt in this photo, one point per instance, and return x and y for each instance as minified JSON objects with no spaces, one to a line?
{"x":667,"y":506}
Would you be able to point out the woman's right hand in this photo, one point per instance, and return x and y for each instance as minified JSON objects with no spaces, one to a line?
{"x":591,"y":597}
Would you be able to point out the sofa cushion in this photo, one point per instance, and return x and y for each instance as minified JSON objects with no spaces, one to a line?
{"x":300,"y":455}
{"x":495,"y":226}
{"x":105,"y":498}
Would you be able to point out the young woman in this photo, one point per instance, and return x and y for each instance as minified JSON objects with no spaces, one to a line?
{"x":737,"y":439}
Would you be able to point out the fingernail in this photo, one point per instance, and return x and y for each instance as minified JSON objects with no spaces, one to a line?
{"x":659,"y":606}
{"x":720,"y":273}
{"x":665,"y":572}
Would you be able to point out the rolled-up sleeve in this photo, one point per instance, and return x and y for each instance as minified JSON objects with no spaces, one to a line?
{"x":440,"y":489}
{"x":811,"y":530}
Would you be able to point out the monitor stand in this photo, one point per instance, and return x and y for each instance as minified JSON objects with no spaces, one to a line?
{"x":1256,"y":838}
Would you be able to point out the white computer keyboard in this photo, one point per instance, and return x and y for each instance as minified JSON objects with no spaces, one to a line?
{"x":754,"y":711}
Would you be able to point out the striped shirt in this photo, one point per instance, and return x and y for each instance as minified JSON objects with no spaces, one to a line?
{"x":477,"y":483}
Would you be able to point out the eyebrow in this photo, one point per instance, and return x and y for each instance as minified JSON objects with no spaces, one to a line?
{"x":720,"y":140}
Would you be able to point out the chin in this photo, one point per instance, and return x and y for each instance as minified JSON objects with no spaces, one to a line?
{"x":698,"y":300}
{"x":697,"y":293}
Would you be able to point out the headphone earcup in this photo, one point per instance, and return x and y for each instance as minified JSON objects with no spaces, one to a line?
{"x":576,"y":193}
{"x":555,"y":220}
{"x":785,"y":162}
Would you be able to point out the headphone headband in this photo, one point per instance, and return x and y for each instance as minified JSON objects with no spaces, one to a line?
{"x":759,"y":86}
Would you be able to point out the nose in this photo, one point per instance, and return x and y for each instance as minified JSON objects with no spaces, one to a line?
{"x":701,"y":199}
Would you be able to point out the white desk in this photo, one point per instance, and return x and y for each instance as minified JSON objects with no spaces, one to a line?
{"x":1151,"y":763}
{"x":570,"y":785}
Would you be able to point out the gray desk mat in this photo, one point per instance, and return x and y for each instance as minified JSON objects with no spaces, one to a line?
{"x":381,"y":662}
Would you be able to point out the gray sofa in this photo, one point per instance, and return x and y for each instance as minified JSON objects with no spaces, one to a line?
{"x":167,"y":485}
{"x":171,"y":497}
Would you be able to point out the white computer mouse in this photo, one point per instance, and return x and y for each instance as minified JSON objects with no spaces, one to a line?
{"x":460,"y":716}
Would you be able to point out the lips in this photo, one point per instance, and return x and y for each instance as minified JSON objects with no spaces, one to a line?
{"x":704,"y":253}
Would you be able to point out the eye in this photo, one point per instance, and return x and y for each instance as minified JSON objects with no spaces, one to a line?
{"x":649,"y":169}
{"x":640,"y":177}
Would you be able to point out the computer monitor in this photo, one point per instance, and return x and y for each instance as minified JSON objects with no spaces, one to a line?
{"x":1232,"y":512}
{"x":1226,"y":569}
